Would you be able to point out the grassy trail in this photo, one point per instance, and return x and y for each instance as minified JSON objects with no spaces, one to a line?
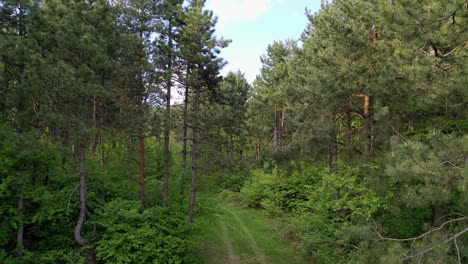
{"x":242,"y":236}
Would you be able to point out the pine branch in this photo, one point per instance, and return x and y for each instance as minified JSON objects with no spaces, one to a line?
{"x":452,"y":14}
{"x":423,"y":235}
{"x":228,"y":149}
{"x":398,"y":133}
{"x":431,"y":248}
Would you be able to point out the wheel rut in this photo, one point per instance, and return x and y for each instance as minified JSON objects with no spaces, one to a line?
{"x":232,"y":257}
{"x":251,"y":239}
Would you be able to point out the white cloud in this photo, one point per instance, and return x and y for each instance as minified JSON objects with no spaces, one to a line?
{"x":236,"y":11}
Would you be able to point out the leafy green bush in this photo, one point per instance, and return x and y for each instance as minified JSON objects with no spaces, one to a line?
{"x":259,"y":189}
{"x":158,"y":235}
{"x":233,"y":181}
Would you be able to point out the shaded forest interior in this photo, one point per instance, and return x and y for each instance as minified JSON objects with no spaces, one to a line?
{"x":352,"y":138}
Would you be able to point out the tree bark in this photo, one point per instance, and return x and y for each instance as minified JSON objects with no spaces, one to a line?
{"x":438,"y":216}
{"x":91,"y":256}
{"x":278,"y":127}
{"x":367,"y":126}
{"x":20,"y":127}
{"x":185,"y":134}
{"x":82,"y":217}
{"x":101,"y":136}
{"x":349,"y":132}
{"x":20,"y":208}
{"x":95,"y":136}
{"x":283,"y":124}
{"x":333,"y":167}
{"x":20,"y":230}
{"x":333,"y":154}
{"x":257,"y":151}
{"x":167,"y":129}
{"x":193,"y":187}
{"x":142,"y":171}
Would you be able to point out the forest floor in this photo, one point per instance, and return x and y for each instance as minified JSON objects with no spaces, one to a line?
{"x":242,"y":236}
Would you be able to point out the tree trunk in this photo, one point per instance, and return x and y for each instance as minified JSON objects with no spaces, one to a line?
{"x":101,"y":136}
{"x":20,"y":110}
{"x":193,"y":187}
{"x":20,"y":230}
{"x":184,"y":147}
{"x":257,"y":151}
{"x":142,"y":172}
{"x":283,"y":124}
{"x":438,"y":216}
{"x":367,"y":127}
{"x":349,"y":132}
{"x":91,"y":256}
{"x":333,"y":154}
{"x":95,"y":136}
{"x":277,"y":130}
{"x":166,"y":157}
{"x":332,"y":166}
{"x":167,"y":129}
{"x":82,"y":217}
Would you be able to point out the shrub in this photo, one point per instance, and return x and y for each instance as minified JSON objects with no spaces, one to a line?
{"x":158,"y":235}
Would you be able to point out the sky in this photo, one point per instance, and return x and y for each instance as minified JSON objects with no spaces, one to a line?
{"x":254,"y":24}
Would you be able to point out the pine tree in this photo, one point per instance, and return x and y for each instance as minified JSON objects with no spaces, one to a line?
{"x":17,"y":92}
{"x":199,"y":49}
{"x":167,"y":54}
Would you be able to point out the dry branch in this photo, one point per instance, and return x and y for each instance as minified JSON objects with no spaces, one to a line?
{"x":423,"y":235}
{"x":431,"y":248}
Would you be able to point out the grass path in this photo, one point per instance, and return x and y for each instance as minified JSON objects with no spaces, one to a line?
{"x":242,"y":236}
{"x":253,"y":243}
{"x":232,"y":258}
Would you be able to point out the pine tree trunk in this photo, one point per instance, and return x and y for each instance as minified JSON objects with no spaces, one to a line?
{"x":91,"y":256}
{"x":349,"y":131}
{"x":333,"y":154}
{"x":166,"y":155}
{"x":257,"y":151}
{"x":283,"y":124}
{"x":277,"y":131}
{"x":333,"y":166}
{"x":185,"y":134}
{"x":95,"y":136}
{"x":438,"y":216}
{"x":367,"y":127}
{"x":20,"y":229}
{"x":101,"y":136}
{"x":82,"y":217}
{"x":193,"y":187}
{"x":168,"y":121}
{"x":20,"y":111}
{"x":142,"y":171}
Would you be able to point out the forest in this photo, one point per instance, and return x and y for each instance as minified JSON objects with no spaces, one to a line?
{"x":350,"y":143}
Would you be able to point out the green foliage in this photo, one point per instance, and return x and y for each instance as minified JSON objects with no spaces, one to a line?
{"x":259,"y":189}
{"x":427,"y":172}
{"x":129,"y":236}
{"x":233,"y":181}
{"x":364,"y":123}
